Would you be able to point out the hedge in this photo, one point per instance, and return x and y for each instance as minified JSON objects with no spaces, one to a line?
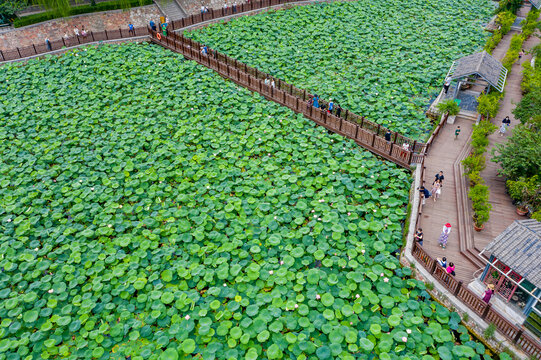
{"x":77,"y":10}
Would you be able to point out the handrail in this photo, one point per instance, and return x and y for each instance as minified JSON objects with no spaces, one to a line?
{"x":365,"y":133}
{"x":514,"y":333}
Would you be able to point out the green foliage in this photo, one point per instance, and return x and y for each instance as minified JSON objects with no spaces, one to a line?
{"x":474,"y":163}
{"x":152,"y":209}
{"x":531,"y":23}
{"x":375,"y":58}
{"x":475,"y":176}
{"x":78,"y":10}
{"x":526,"y":191}
{"x":448,"y":107}
{"x":531,"y":79}
{"x":528,"y":109}
{"x":479,"y":195}
{"x":9,"y":8}
{"x":480,"y":135}
{"x":493,"y":41}
{"x":520,"y":156}
{"x":489,"y":104}
{"x":505,"y":20}
{"x":509,"y":5}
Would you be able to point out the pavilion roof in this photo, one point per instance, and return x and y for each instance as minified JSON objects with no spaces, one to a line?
{"x":481,"y":64}
{"x":519,"y":247}
{"x":536,"y":3}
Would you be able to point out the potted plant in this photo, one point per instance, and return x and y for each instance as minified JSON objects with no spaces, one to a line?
{"x":526,"y":193}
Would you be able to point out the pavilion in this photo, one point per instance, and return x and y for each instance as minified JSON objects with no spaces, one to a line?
{"x":480,"y":68}
{"x":515,"y":270}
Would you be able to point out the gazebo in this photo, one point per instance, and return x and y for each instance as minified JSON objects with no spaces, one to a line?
{"x":536,"y":3}
{"x":480,"y":66}
{"x":514,"y":269}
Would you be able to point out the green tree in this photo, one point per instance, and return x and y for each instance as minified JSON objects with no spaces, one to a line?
{"x":62,"y":7}
{"x":448,"y":107}
{"x":528,"y":110}
{"x":9,"y":8}
{"x":520,"y":156}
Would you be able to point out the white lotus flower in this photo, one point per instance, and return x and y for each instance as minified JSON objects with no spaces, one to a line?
{"x":408,"y":331}
{"x":404,"y":339}
{"x":9,"y":220}
{"x":362,"y":251}
{"x":225,"y":285}
{"x":92,"y":188}
{"x":187,"y":317}
{"x":296,"y":306}
{"x":51,"y":291}
{"x":357,"y":296}
{"x":318,"y":297}
{"x":36,"y":249}
{"x":385,"y":280}
{"x":281,"y":262}
{"x":271,"y":272}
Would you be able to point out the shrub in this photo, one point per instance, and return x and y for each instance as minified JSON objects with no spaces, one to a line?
{"x":479,"y":136}
{"x":479,"y":195}
{"x":509,"y":5}
{"x":506,"y":19}
{"x":474,"y":163}
{"x":489,"y":104}
{"x":475,"y":178}
{"x":448,"y":107}
{"x":520,"y":156}
{"x":77,"y":10}
{"x":531,"y":78}
{"x":530,"y":24}
{"x":489,"y":331}
{"x":526,"y":191}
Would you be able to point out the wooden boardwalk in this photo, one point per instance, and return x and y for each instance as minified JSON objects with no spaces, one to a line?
{"x":444,"y":154}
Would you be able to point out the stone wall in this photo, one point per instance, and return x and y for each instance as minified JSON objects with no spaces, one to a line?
{"x":194,"y":6}
{"x":55,"y":29}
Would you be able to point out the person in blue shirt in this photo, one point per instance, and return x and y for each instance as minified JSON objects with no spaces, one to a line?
{"x":132,"y":29}
{"x":316,"y":101}
{"x":331,"y":106}
{"x":152,"y":25}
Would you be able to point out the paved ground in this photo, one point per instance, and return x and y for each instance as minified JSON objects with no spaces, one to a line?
{"x":55,"y":29}
{"x":445,"y":152}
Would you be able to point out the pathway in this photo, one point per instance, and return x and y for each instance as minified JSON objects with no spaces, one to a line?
{"x":444,"y":155}
{"x":171,"y":9}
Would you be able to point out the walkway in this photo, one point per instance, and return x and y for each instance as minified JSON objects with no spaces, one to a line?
{"x":454,"y":207}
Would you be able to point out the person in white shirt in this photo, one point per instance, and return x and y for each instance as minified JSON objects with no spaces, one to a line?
{"x":76,"y":31}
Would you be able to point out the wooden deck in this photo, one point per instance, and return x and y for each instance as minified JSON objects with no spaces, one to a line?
{"x":446,"y":152}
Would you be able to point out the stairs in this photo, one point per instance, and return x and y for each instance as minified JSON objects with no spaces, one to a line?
{"x":171,"y":9}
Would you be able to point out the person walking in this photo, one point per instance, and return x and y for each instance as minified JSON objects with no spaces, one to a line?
{"x":444,"y":236}
{"x":83,"y":32}
{"x":132,"y":29}
{"x":457,"y":131}
{"x":273,"y":83}
{"x":388,"y":136}
{"x":267,"y":81}
{"x":338,"y":110}
{"x":48,"y":42}
{"x":419,"y":236}
{"x":164,"y":29}
{"x":76,"y":31}
{"x":316,"y":101}
{"x":235,"y":7}
{"x":451,"y":269}
{"x":520,"y":55}
{"x":436,"y":190}
{"x":503,"y":129}
{"x":202,"y":9}
{"x":309,"y":103}
{"x":506,"y":121}
{"x":488,"y":293}
{"x":152,"y":25}
{"x":331,"y":106}
{"x":442,"y":262}
{"x":439,"y":176}
{"x":446,"y":85}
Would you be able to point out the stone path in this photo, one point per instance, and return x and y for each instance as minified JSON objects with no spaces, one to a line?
{"x":446,"y":152}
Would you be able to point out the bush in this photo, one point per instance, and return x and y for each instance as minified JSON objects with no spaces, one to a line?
{"x":448,"y":107}
{"x":77,"y":10}
{"x":489,"y":104}
{"x":520,"y":156}
{"x":530,"y":24}
{"x":479,"y":195}
{"x":479,"y":136}
{"x":531,"y":78}
{"x":509,"y":5}
{"x":506,"y":19}
{"x":526,"y":191}
{"x":475,"y":178}
{"x":474,"y":163}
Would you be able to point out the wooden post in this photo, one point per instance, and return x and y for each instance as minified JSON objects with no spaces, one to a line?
{"x":518,"y":335}
{"x":373,"y":139}
{"x":297,"y":105}
{"x":78,"y":40}
{"x":340,"y":124}
{"x":92,"y":34}
{"x":106,"y":36}
{"x":485,"y":312}
{"x":245,"y":68}
{"x":379,"y":127}
{"x":304,"y":95}
{"x":311,"y":107}
{"x":34,"y":46}
{"x":260,"y":85}
{"x":395,"y":135}
{"x":458,"y":288}
{"x":18,"y":51}
{"x":290,"y":89}
{"x":284,"y":96}
{"x":2,"y":54}
{"x":391,"y":151}
{"x":120,"y":31}
{"x":63,"y":41}
{"x":433,"y":267}
{"x":362,"y":121}
{"x":346,"y":115}
{"x":356,"y":131}
{"x":227,"y":70}
{"x":414,"y":145}
{"x":410,"y":157}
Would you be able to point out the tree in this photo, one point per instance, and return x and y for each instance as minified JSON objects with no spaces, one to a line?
{"x":62,"y":7}
{"x":521,"y":155}
{"x":449,"y":107}
{"x":9,"y":8}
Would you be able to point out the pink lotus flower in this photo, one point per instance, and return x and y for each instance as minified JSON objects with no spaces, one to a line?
{"x":318,"y":297}
{"x":281,"y":262}
{"x":225,"y":285}
{"x":349,"y":213}
{"x":362,"y":251}
{"x":187,"y":317}
{"x":386,"y":280}
{"x":357,"y":296}
{"x":382,"y":274}
{"x":404,"y":339}
{"x":296,"y":306}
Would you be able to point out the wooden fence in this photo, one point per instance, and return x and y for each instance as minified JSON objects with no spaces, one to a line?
{"x":365,"y":133}
{"x":515,"y":334}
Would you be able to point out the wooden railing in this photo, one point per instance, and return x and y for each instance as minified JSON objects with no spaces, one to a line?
{"x":365,"y":133}
{"x":514,"y":333}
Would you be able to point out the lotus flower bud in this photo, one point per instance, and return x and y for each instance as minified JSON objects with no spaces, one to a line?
{"x":318,"y":297}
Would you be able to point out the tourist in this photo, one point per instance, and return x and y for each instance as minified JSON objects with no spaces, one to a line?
{"x":338,"y":110}
{"x":267,"y":81}
{"x":164,"y":29}
{"x":446,"y":85}
{"x":322,"y":107}
{"x":315,"y":102}
{"x":331,"y":106}
{"x":204,"y":50}
{"x":202,"y":9}
{"x":451,"y":269}
{"x":419,"y":236}
{"x":388,"y":136}
{"x":235,"y":7}
{"x":309,"y":103}
{"x":152,"y":25}
{"x":436,"y":189}
{"x":444,"y":235}
{"x":83,"y":32}
{"x":442,"y":262}
{"x":272,"y":83}
{"x":506,"y":121}
{"x":132,"y":29}
{"x":457,"y":131}
{"x":424,"y":193}
{"x":167,"y":20}
{"x":439,"y":176}
{"x":503,"y":129}
{"x":66,"y":36}
{"x":76,"y":31}
{"x":488,"y":293}
{"x":48,"y":42}
{"x":520,"y":55}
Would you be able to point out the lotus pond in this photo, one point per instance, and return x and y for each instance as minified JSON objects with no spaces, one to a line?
{"x":152,"y":210}
{"x":384,"y":59}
